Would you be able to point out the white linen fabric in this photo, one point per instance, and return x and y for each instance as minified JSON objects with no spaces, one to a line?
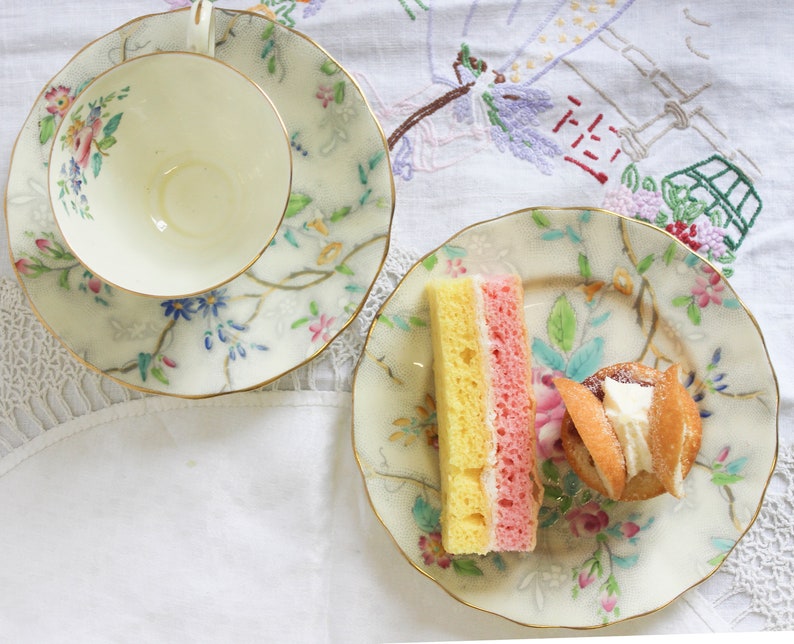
{"x":126,"y":517}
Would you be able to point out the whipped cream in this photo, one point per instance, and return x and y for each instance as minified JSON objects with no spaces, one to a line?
{"x":626,"y":405}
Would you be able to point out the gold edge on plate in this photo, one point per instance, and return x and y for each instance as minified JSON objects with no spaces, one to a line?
{"x":387,"y":233}
{"x":358,"y":458}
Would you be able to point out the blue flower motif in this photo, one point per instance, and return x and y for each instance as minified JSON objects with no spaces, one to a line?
{"x":179,"y":308}
{"x":210,"y":303}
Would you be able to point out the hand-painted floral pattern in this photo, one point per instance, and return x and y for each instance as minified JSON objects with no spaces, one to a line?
{"x":327,"y":253}
{"x":598,"y":291}
{"x":88,"y":138}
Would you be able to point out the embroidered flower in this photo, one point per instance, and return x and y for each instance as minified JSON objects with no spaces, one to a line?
{"x":707,"y":289}
{"x":711,"y":237}
{"x":433,"y":551}
{"x":620,"y":200}
{"x":647,"y":204}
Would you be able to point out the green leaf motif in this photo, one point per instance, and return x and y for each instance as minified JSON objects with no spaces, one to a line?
{"x":584,"y":266}
{"x":573,"y":235}
{"x":552,"y":235}
{"x":669,"y":254}
{"x":550,"y":470}
{"x":561,"y":324}
{"x":144,"y":360}
{"x":329,"y":68}
{"x":340,"y":214}
{"x":547,"y":356}
{"x":645,"y":264}
{"x":693,"y":313}
{"x":682,"y":300}
{"x":106,"y":142}
{"x":46,"y":128}
{"x":112,"y":125}
{"x":723,"y":478}
{"x":586,"y":360}
{"x":299,"y":322}
{"x":466,"y":567}
{"x":96,"y":164}
{"x":314,"y":309}
{"x":362,"y":175}
{"x":540,"y":219}
{"x":425,"y":515}
{"x":454,"y":252}
{"x":157,"y":372}
{"x":376,"y":158}
{"x":339,"y":92}
{"x":63,"y":279}
{"x":415,"y":321}
{"x":297,"y":202}
{"x":430,"y":262}
{"x":344,"y":269}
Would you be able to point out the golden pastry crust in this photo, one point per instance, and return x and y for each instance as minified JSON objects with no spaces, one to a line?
{"x":674,"y":433}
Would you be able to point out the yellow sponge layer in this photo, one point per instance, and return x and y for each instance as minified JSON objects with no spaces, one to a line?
{"x":465,"y":442}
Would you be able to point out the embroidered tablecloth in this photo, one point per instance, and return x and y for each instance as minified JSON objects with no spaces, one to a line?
{"x":127,"y":516}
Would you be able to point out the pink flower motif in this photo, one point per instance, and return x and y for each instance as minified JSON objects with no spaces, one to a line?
{"x":44,"y":244}
{"x":647,"y":204}
{"x":168,"y":362}
{"x":325,"y":94}
{"x":455,"y":267}
{"x":608,"y":601}
{"x":59,"y":100}
{"x":25,"y":266}
{"x":178,"y":4}
{"x":433,"y":551}
{"x":629,"y":529}
{"x":620,"y":201}
{"x":587,"y":520}
{"x":320,"y":328}
{"x":549,"y":412}
{"x":82,"y":143}
{"x":723,"y":454}
{"x":707,"y":289}
{"x":95,"y":284}
{"x":586,"y":578}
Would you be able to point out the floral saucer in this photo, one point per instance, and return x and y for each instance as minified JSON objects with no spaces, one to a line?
{"x":599,"y":288}
{"x":292,"y":302}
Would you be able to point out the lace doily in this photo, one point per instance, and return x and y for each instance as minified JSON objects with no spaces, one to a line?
{"x":42,"y":385}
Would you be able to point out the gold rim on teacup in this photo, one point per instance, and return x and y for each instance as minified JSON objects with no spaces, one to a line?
{"x":171,"y":172}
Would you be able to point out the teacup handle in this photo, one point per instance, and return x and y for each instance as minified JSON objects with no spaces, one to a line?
{"x":201,"y":28}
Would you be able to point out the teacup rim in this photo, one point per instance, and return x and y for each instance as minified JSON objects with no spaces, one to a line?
{"x":266,"y":242}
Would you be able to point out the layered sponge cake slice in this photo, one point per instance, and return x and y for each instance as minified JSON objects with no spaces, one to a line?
{"x":490,"y":487}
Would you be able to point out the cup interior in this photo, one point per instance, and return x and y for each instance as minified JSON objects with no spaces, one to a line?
{"x":170,"y":174}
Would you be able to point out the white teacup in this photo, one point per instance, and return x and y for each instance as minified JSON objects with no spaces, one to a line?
{"x":171,"y":172}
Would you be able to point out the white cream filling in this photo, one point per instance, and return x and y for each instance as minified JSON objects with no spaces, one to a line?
{"x":626,"y":405}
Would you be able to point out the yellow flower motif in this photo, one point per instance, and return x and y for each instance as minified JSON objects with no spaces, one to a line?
{"x":329,"y":253}
{"x":591,"y":289}
{"x":319,"y":225}
{"x":73,"y":130}
{"x":622,"y":281}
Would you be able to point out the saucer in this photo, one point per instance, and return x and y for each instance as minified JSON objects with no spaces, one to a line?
{"x":599,"y":288}
{"x":292,"y":302}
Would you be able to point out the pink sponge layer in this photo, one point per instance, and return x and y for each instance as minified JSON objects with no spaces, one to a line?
{"x":511,"y":379}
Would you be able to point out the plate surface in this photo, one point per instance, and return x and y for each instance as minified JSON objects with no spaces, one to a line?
{"x":292,"y":302}
{"x":599,"y":289}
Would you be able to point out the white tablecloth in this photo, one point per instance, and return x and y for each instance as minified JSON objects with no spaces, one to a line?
{"x":243,"y":518}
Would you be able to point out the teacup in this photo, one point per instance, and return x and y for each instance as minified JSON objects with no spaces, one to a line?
{"x":171,"y":172}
